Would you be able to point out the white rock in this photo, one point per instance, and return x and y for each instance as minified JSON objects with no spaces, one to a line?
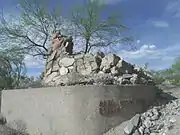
{"x":109,"y":60}
{"x":66,"y":62}
{"x":63,"y":71}
{"x":50,"y":77}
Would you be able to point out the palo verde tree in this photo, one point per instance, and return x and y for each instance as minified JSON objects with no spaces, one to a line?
{"x":32,"y":30}
{"x":12,"y":67}
{"x":95,"y":30}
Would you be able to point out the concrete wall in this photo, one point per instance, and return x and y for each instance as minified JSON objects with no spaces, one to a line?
{"x":74,"y":110}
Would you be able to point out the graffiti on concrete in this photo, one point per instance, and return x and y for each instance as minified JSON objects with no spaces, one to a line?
{"x":111,"y":107}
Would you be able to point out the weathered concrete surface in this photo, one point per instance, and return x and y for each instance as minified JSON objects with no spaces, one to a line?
{"x":73,"y":110}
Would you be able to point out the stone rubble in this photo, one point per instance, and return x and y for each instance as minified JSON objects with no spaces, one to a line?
{"x":92,"y":69}
{"x":63,"y":67}
{"x":158,"y":120}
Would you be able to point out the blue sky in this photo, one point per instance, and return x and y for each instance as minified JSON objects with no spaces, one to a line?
{"x":154,"y":23}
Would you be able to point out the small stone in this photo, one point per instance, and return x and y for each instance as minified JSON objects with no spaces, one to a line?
{"x":114,"y":71}
{"x":160,"y":126}
{"x":127,"y":76}
{"x":172,"y":120}
{"x":94,"y":66}
{"x":85,"y":69}
{"x":51,"y":57}
{"x":49,"y":72}
{"x":50,"y":77}
{"x":120,"y":80}
{"x":136,"y":133}
{"x":141,"y":130}
{"x":66,"y":62}
{"x":101,"y":72}
{"x":147,"y":123}
{"x":55,"y":67}
{"x":155,"y":117}
{"x":149,"y":114}
{"x":63,"y":71}
{"x":155,"y":111}
{"x":146,"y":131}
{"x":132,"y":124}
{"x":49,"y":64}
{"x":109,"y":61}
{"x":134,"y":79}
{"x":129,"y":128}
{"x":153,"y":133}
{"x":135,"y":120}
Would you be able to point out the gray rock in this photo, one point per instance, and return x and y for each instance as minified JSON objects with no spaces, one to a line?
{"x":109,"y":61}
{"x":120,"y":80}
{"x":66,"y":62}
{"x":114,"y":71}
{"x":52,"y":56}
{"x":153,"y":134}
{"x":129,"y":128}
{"x":63,"y":71}
{"x":132,"y":124}
{"x":136,"y":133}
{"x":71,"y":68}
{"x":3,"y":120}
{"x":61,"y":80}
{"x":135,"y":120}
{"x":49,"y":64}
{"x":147,"y":123}
{"x":48,"y":72}
{"x":154,"y":117}
{"x":50,"y":77}
{"x":146,"y":131}
{"x":89,"y":57}
{"x":55,"y":67}
{"x":79,"y":56}
{"x":124,"y":67}
{"x":84,"y":69}
{"x":134,"y":79}
{"x":141,"y":130}
{"x":94,"y":66}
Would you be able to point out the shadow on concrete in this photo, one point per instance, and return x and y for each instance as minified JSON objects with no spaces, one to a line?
{"x":162,"y":97}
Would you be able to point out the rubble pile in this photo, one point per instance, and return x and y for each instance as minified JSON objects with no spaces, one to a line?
{"x":92,"y":69}
{"x":158,"y":120}
{"x":64,"y":68}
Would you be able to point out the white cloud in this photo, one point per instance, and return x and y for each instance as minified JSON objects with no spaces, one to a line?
{"x":173,"y":8}
{"x":108,"y":1}
{"x":157,"y":58}
{"x":160,"y":23}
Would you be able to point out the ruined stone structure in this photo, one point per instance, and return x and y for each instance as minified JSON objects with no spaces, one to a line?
{"x":65,"y":68}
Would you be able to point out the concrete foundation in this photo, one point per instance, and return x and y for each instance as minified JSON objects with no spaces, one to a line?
{"x":75,"y":110}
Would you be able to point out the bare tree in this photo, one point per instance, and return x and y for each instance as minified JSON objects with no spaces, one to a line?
{"x":32,"y":30}
{"x":95,"y":30}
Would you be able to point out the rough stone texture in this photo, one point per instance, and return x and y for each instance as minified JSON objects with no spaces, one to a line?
{"x":163,"y":118}
{"x":93,"y":69}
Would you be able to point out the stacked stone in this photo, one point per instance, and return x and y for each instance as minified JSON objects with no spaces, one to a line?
{"x":91,"y":69}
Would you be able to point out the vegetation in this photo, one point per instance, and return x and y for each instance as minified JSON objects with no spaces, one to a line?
{"x":12,"y":67}
{"x":32,"y":30}
{"x":171,"y":75}
{"x":95,"y":30}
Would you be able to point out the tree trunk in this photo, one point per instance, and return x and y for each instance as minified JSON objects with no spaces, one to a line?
{"x":87,"y":45}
